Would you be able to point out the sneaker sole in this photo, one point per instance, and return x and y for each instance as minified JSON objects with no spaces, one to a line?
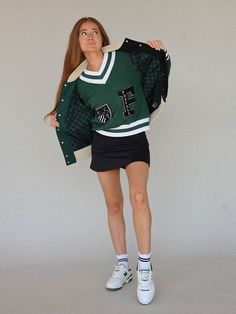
{"x":115,"y":289}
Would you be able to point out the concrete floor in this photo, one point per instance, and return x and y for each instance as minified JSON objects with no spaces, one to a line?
{"x":185,"y":286}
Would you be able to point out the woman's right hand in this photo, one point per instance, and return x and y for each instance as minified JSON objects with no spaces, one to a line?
{"x":53,"y":121}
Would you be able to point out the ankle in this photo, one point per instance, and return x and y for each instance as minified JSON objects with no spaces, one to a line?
{"x":144,"y":262}
{"x":122,"y":259}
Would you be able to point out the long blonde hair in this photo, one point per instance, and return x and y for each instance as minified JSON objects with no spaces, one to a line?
{"x":74,"y":55}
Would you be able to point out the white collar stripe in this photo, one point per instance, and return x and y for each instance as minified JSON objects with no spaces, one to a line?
{"x":98,"y":73}
{"x":103,"y":72}
{"x":106,"y":76}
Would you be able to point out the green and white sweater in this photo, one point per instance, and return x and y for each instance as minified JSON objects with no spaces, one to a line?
{"x":136,"y":82}
{"x":115,"y":95}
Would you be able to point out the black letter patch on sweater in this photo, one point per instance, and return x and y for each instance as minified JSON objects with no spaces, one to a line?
{"x":104,"y":113}
{"x":128,"y":98}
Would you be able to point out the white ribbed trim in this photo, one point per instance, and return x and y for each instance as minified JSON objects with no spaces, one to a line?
{"x":82,"y":66}
{"x":122,"y":134}
{"x":130,"y":125}
{"x":106,"y":76}
{"x":104,"y":62}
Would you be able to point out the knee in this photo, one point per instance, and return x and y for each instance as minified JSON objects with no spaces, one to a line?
{"x":138,"y":200}
{"x":114,"y":206}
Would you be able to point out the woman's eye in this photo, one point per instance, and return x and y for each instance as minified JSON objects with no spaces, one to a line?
{"x":95,"y":32}
{"x":83,"y":33}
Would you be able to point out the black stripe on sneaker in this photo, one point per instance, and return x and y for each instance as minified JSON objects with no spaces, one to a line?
{"x":129,"y":276}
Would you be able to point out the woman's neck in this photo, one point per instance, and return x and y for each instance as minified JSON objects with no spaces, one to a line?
{"x":94,"y":60}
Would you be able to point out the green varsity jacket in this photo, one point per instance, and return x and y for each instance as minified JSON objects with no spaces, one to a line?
{"x":74,"y":132}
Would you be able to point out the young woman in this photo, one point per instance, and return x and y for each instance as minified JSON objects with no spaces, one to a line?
{"x":110,"y":86}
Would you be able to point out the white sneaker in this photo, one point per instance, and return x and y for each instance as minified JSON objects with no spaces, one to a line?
{"x":121,"y":275}
{"x":146,"y":286}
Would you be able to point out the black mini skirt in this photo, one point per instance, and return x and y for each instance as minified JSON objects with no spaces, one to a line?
{"x":117,"y":152}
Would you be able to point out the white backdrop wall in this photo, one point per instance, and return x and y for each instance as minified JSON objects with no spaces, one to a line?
{"x":52,"y":213}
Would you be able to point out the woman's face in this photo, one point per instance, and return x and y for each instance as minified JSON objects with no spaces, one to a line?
{"x":90,"y":37}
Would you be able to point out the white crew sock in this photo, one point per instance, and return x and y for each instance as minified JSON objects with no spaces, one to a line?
{"x":123,"y":259}
{"x":144,"y":261}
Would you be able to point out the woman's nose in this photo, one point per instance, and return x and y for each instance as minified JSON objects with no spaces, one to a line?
{"x":90,"y":35}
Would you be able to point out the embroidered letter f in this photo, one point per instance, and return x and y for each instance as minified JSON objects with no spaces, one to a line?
{"x":128,"y":98}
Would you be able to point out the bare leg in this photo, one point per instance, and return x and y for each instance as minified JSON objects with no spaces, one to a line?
{"x":110,"y":183}
{"x":137,"y":173}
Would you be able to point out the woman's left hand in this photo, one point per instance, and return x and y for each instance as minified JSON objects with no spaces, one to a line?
{"x":156,"y":44}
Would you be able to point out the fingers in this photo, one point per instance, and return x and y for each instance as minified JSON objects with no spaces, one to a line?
{"x":53,"y":121}
{"x":156,"y":44}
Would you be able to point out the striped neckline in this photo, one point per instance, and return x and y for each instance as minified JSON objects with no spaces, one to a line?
{"x":101,"y":76}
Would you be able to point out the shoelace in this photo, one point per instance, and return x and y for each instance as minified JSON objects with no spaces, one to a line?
{"x":145,"y":278}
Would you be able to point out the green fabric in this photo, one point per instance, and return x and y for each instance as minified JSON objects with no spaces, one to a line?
{"x":124,"y":74}
{"x":74,"y":117}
